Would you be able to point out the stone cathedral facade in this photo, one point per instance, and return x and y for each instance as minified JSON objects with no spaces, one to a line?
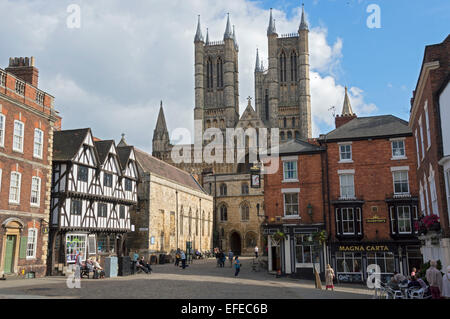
{"x":282,"y":100}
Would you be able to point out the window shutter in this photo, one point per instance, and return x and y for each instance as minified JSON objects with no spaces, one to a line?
{"x":23,"y":247}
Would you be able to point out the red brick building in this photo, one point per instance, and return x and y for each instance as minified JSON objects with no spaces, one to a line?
{"x":371,"y":173}
{"x":295,"y":207}
{"x":429,"y":121}
{"x":27,"y":121}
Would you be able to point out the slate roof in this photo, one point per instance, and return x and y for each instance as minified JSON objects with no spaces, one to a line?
{"x":124,"y":153}
{"x":151,"y":164}
{"x":67,"y":143}
{"x":103,"y":148}
{"x":297,"y":146}
{"x":369,"y":127}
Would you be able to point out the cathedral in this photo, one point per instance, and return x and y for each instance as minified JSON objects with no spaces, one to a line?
{"x":282,"y":100}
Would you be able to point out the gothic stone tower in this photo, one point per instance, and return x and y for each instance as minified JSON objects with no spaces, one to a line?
{"x":282,"y":93}
{"x":216,"y":80}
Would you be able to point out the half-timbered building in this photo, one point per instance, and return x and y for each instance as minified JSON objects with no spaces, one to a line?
{"x":94,"y":187}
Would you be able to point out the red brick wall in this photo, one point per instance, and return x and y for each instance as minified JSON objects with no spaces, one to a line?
{"x":438,"y":52}
{"x":310,"y":184}
{"x":373,"y":180}
{"x":28,"y":166}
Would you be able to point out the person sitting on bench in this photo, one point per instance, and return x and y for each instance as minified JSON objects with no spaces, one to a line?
{"x":144,"y":266}
{"x":98,"y":270}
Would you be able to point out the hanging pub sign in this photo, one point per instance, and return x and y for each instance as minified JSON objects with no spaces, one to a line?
{"x":255,"y":177}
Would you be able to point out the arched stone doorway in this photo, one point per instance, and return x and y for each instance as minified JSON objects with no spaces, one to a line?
{"x":235,"y":243}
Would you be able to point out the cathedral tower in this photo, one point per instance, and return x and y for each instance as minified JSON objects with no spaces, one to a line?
{"x":216,"y":79}
{"x":282,"y":92}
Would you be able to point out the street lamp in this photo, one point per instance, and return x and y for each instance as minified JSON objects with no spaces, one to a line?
{"x":309,"y":210}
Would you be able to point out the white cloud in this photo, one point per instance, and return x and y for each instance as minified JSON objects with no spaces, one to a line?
{"x":112,"y":72}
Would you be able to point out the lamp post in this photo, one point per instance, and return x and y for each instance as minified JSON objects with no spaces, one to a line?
{"x":309,"y":210}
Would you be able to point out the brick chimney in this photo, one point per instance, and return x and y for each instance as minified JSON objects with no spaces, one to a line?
{"x":24,"y":69}
{"x":340,"y":120}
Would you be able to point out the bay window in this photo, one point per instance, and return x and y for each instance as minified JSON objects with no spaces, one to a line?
{"x":402,"y":218}
{"x":348,"y":221}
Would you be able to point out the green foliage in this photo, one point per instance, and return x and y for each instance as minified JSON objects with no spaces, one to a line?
{"x":321,"y":236}
{"x":279,"y":235}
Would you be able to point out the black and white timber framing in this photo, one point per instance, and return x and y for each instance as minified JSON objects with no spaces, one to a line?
{"x":94,"y":187}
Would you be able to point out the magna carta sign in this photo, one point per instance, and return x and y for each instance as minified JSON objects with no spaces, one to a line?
{"x":364,"y":248}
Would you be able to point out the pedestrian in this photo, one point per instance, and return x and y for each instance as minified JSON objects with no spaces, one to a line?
{"x":329,"y":277}
{"x":183,"y":259}
{"x":413,"y":272}
{"x":217,"y":254}
{"x":146,"y":267}
{"x":222,"y":259}
{"x":230,"y":258}
{"x":177,"y":257}
{"x":256,"y":251}
{"x":237,"y":265}
{"x":434,"y":278}
{"x":446,"y":284}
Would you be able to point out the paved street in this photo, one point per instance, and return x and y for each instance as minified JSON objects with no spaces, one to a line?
{"x":202,"y":279}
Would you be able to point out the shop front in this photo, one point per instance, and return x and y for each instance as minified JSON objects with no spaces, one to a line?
{"x":350,"y":260}
{"x":67,"y":245}
{"x":294,"y":250}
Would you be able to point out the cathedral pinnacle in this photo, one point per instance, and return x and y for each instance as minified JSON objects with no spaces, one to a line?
{"x":271,"y":29}
{"x":207,"y":36}
{"x":198,"y":34}
{"x":303,"y":24}
{"x":257,"y":66}
{"x":228,"y":32}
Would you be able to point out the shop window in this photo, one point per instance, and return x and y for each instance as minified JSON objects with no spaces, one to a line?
{"x":384,"y":260}
{"x":348,"y":262}
{"x":304,"y":249}
{"x":75,"y":243}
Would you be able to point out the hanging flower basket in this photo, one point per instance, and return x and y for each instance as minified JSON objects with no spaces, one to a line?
{"x":279,"y":236}
{"x":321,"y":236}
{"x":427,"y":223}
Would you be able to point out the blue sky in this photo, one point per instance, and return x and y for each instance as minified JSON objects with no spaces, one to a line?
{"x":112,"y":72}
{"x":385,"y":62}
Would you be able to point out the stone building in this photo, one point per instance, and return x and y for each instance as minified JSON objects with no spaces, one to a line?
{"x":429,"y":121}
{"x":174,"y":210}
{"x":27,"y":121}
{"x":282,"y":100}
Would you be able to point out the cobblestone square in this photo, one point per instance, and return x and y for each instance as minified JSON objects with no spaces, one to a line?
{"x":201,"y":280}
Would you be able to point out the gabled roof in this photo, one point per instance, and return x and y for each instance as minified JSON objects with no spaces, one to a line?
{"x":369,"y":127}
{"x":103,"y":148}
{"x":67,"y":143}
{"x":153,"y":165}
{"x":124,"y":154}
{"x":298,"y":146}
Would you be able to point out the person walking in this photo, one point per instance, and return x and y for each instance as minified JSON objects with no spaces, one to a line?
{"x":237,"y":265}
{"x":230,"y":258}
{"x":446,"y":284}
{"x":434,"y":278}
{"x":183,"y":259}
{"x":177,"y":257}
{"x":256,"y":251}
{"x":329,"y":277}
{"x":222,"y":259}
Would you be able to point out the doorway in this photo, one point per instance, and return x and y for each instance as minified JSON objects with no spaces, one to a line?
{"x":10,"y":253}
{"x":235,"y":244}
